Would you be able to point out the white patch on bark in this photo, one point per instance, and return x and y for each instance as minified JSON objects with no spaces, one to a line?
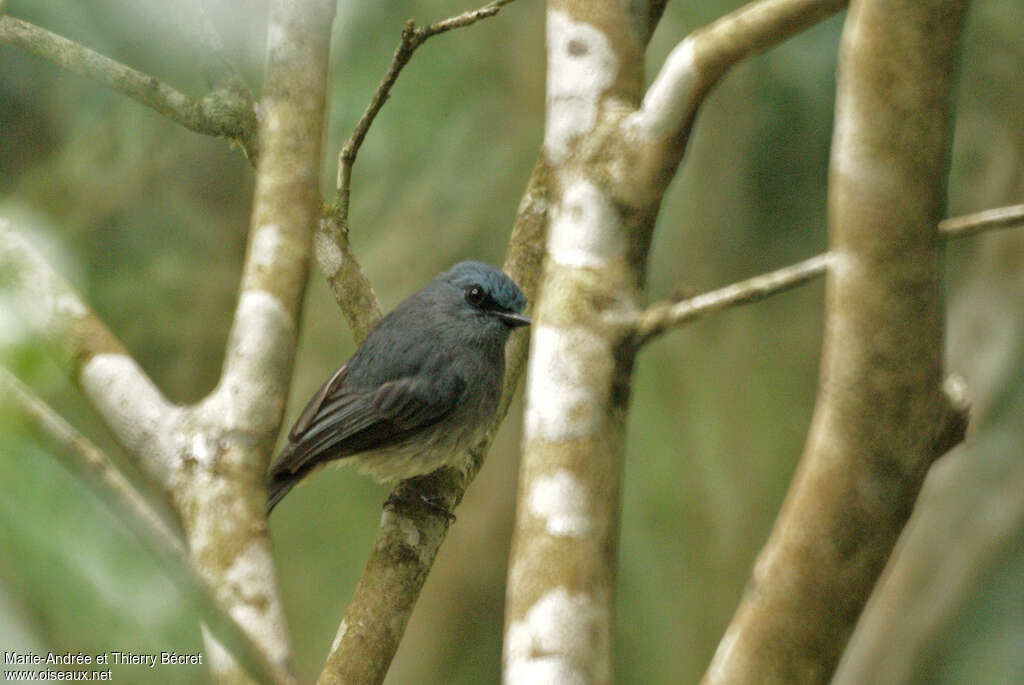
{"x":670,"y":99}
{"x":862,"y":172}
{"x":407,"y":532}
{"x":265,"y":245}
{"x":545,"y":670}
{"x":146,"y":423}
{"x":561,"y":639}
{"x":222,"y":664}
{"x":581,"y":66}
{"x":567,"y":371}
{"x":328,"y":255}
{"x":532,"y":202}
{"x":410,"y":533}
{"x":339,"y":636}
{"x":202,"y":449}
{"x":585,"y":228}
{"x":248,"y":396}
{"x":561,"y":500}
{"x":250,"y":578}
{"x":65,"y":305}
{"x":279,"y":42}
{"x":211,"y":492}
{"x":36,"y":300}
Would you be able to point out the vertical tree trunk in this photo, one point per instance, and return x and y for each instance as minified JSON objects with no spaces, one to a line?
{"x":561,"y":580}
{"x":881,"y":416}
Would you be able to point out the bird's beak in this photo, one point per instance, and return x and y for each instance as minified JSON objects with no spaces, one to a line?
{"x":513,"y":320}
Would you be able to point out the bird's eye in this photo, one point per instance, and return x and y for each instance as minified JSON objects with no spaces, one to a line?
{"x":476,"y":296}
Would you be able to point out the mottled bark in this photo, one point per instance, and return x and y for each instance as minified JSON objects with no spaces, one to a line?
{"x":210,"y":458}
{"x":219,"y":487}
{"x":612,"y":151}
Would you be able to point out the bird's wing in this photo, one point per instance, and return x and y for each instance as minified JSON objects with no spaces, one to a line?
{"x":331,"y":387}
{"x":340,"y":421}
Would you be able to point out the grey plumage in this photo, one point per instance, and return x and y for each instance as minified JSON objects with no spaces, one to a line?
{"x":424,"y":384}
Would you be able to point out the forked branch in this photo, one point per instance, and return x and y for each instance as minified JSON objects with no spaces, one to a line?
{"x":352,"y":289}
{"x":87,"y":461}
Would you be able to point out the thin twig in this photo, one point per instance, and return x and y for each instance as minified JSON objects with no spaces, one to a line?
{"x":90,"y":463}
{"x":412,"y":37}
{"x":970,"y":224}
{"x":661,"y":316}
{"x":352,"y":289}
{"x":223,"y":113}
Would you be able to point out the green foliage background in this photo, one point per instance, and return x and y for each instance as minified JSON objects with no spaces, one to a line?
{"x":148,"y":221}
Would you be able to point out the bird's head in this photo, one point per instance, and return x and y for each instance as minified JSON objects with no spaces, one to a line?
{"x":490,"y":292}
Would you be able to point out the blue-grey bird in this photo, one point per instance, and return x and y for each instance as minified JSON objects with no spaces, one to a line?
{"x":423,"y":384}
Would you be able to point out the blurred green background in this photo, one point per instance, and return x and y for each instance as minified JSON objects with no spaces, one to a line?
{"x":148,"y":221}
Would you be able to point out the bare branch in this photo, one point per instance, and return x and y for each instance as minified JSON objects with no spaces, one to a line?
{"x":224,"y":113}
{"x":661,"y":316}
{"x":881,"y":417}
{"x":88,"y":462}
{"x":219,"y":491}
{"x":702,"y":58}
{"x":352,"y":289}
{"x":348,"y":282}
{"x":142,"y":420}
{"x":376,"y":617}
{"x":412,"y":37}
{"x":970,"y":224}
{"x":261,"y":346}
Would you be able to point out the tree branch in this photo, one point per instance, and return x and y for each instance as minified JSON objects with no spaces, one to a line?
{"x":970,"y":224}
{"x":139,"y":416}
{"x":351,"y":287}
{"x":261,"y":346}
{"x":412,"y":37}
{"x":881,"y":416}
{"x":559,"y":604}
{"x":661,"y":316}
{"x":89,"y":463}
{"x":220,"y":489}
{"x":86,"y":461}
{"x":653,"y":136}
{"x":970,"y":514}
{"x":408,"y":541}
{"x":699,"y":61}
{"x":226,"y":112}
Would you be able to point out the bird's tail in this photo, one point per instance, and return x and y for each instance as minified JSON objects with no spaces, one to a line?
{"x":281,"y":479}
{"x":278,"y":485}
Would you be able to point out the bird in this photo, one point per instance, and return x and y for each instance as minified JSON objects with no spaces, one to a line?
{"x":424,"y":383}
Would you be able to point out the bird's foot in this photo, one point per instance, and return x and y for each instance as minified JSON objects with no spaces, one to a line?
{"x":410,"y":495}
